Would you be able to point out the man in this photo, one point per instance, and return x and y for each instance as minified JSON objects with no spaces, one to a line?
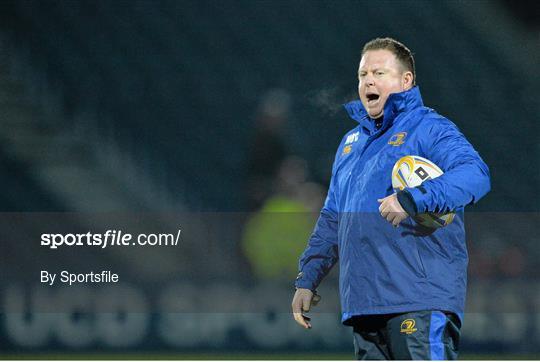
{"x":402,"y":288}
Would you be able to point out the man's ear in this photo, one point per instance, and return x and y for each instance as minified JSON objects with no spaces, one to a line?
{"x":407,"y":80}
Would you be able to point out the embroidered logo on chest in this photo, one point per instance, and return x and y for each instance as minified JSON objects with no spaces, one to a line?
{"x":398,"y":139}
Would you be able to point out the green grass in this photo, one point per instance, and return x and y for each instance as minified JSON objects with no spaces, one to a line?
{"x":231,"y":356}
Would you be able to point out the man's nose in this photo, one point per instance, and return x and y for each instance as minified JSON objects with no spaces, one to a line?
{"x":370,"y":80}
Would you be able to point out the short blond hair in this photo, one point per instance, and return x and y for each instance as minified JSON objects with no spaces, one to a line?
{"x":402,"y":53}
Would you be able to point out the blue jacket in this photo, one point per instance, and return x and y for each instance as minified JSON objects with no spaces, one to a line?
{"x":385,"y":269}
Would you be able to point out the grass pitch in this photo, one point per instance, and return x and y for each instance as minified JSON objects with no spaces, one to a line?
{"x":232,"y":356}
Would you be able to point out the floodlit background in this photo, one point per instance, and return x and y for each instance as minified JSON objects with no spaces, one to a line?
{"x":233,"y":109}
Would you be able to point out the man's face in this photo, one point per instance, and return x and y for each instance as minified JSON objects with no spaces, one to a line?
{"x":379,"y":75}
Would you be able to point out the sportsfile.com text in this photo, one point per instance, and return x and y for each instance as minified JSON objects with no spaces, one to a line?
{"x":110,"y":238}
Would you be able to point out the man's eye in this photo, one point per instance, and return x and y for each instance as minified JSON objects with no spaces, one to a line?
{"x":379,"y":73}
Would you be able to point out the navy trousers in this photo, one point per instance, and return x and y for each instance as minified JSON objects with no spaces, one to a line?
{"x":424,"y":335}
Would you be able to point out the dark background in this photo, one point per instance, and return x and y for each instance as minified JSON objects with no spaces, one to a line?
{"x":235,"y":106}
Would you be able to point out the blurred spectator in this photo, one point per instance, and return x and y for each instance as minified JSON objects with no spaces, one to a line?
{"x":268,"y":148}
{"x":292,"y":183}
{"x":276,"y":235}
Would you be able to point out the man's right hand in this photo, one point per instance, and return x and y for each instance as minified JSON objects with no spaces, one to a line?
{"x":302,"y":301}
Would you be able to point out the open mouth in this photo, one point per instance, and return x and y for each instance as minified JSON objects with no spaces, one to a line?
{"x":372,"y":98}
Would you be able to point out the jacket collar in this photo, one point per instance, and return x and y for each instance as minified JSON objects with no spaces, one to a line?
{"x":395,"y":104}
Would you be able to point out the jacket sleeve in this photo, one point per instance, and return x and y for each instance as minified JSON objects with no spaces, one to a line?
{"x":322,"y":250}
{"x":466,"y":176}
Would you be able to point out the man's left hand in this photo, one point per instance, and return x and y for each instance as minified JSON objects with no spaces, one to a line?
{"x":391,"y":210}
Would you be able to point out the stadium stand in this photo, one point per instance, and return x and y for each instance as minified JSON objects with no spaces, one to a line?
{"x":150,"y":106}
{"x":187,"y":65}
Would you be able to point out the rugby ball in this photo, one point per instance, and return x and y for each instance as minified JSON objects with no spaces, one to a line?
{"x":412,"y":171}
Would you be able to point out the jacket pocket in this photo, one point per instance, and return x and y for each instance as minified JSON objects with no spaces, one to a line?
{"x":419,"y":261}
{"x":408,"y":257}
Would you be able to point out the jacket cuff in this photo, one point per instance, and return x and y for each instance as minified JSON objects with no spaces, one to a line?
{"x":419,"y":197}
{"x":406,"y":201}
{"x":301,"y":282}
